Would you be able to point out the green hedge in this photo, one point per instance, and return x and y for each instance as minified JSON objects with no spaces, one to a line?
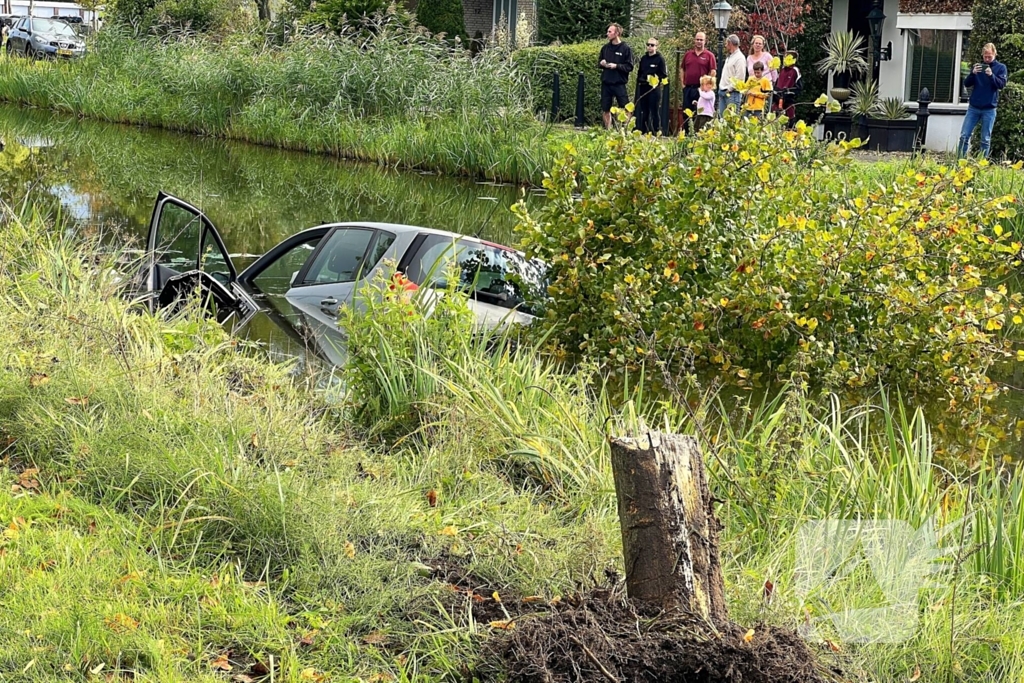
{"x":994,"y":20}
{"x":1009,"y":128}
{"x":817,"y":25}
{"x":540,"y":63}
{"x":573,"y":21}
{"x":442,"y":16}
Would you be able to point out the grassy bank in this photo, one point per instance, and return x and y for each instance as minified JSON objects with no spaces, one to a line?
{"x":176,"y":505}
{"x":398,"y":99}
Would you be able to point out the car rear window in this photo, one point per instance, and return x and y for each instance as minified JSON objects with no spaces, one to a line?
{"x":491,"y":273}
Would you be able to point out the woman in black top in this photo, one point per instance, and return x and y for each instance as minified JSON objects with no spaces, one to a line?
{"x":648,"y":98}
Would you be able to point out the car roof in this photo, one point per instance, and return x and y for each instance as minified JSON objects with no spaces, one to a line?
{"x":401,"y":229}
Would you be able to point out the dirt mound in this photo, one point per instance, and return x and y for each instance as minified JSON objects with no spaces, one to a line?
{"x":601,"y":636}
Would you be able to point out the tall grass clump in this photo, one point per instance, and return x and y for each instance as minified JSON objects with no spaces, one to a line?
{"x":387,"y":92}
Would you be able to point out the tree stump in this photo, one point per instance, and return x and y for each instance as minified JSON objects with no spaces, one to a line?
{"x":669,"y":529}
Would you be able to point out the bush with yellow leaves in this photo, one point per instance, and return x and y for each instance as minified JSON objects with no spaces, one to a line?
{"x":756,"y":253}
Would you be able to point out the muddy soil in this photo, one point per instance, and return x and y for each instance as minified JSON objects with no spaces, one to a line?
{"x":601,"y":636}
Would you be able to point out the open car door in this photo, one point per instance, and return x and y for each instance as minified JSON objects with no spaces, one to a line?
{"x":186,"y":256}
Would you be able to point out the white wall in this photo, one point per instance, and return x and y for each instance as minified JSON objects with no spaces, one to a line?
{"x":943,"y":132}
{"x":890,"y":74}
{"x":42,"y":8}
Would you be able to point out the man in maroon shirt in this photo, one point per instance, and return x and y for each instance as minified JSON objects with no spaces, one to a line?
{"x":696,"y":63}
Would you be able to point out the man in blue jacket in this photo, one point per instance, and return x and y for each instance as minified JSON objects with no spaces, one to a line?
{"x":986,"y":79}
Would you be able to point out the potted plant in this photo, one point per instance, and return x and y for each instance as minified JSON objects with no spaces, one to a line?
{"x":862,"y":104}
{"x":890,"y":127}
{"x":844,"y":57}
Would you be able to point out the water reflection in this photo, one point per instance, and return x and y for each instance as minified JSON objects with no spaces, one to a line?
{"x":256,"y":196}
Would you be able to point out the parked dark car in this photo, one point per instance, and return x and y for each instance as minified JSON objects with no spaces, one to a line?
{"x":303,"y":281}
{"x":43,"y":37}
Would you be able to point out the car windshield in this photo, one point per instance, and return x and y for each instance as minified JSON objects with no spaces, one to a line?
{"x":53,"y":27}
{"x":492,"y":273}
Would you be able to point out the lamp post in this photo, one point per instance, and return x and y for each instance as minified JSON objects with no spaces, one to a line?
{"x":721,"y":11}
{"x":876,"y":20}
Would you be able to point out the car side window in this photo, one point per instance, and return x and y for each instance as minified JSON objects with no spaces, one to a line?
{"x":342,"y":258}
{"x":384,"y":242}
{"x":277,"y":277}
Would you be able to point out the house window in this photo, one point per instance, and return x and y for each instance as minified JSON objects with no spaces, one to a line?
{"x":935,"y":61}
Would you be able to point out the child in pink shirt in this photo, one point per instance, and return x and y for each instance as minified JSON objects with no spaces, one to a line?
{"x":705,"y":102}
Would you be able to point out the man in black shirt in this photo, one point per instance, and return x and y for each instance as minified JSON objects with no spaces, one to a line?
{"x":648,"y":97}
{"x":616,"y":63}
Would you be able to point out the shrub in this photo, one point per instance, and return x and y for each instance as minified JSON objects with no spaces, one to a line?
{"x":396,"y":338}
{"x":748,"y":252}
{"x":334,"y":14}
{"x":539,"y":63}
{"x":163,"y":15}
{"x":1009,"y":128}
{"x":442,"y":16}
{"x":572,"y":22}
{"x":995,"y":21}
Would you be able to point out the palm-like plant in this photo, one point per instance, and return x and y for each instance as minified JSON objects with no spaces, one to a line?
{"x":864,"y":102}
{"x":892,"y":109}
{"x":844,"y":53}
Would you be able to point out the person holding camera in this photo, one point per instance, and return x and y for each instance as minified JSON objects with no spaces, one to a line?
{"x":986,"y":79}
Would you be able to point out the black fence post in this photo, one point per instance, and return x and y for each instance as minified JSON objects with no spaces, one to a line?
{"x":923,"y":100}
{"x":666,"y":94}
{"x":556,"y":97}
{"x":579,"y":101}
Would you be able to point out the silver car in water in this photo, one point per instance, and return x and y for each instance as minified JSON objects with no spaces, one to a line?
{"x":41,"y":37}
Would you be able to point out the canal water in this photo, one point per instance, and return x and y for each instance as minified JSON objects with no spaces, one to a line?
{"x":107,"y":176}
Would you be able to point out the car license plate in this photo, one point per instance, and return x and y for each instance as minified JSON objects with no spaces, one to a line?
{"x":64,"y":52}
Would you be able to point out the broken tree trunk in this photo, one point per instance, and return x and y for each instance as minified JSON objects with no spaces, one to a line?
{"x":669,"y":530}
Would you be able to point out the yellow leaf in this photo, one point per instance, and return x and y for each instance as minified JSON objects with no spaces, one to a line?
{"x":496,"y":597}
{"x":504,"y":624}
{"x":822,"y":99}
{"x":775,"y":63}
{"x":38,"y":380}
{"x":1017,"y":320}
{"x":790,"y":60}
{"x":748,"y":636}
{"x":449,"y":531}
{"x":630,"y":107}
{"x":652,"y":80}
{"x":533,"y":598}
{"x":350,"y":550}
{"x":916,"y":675}
{"x":724,"y":301}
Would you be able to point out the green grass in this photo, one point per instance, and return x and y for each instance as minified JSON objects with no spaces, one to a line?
{"x":238,"y":510}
